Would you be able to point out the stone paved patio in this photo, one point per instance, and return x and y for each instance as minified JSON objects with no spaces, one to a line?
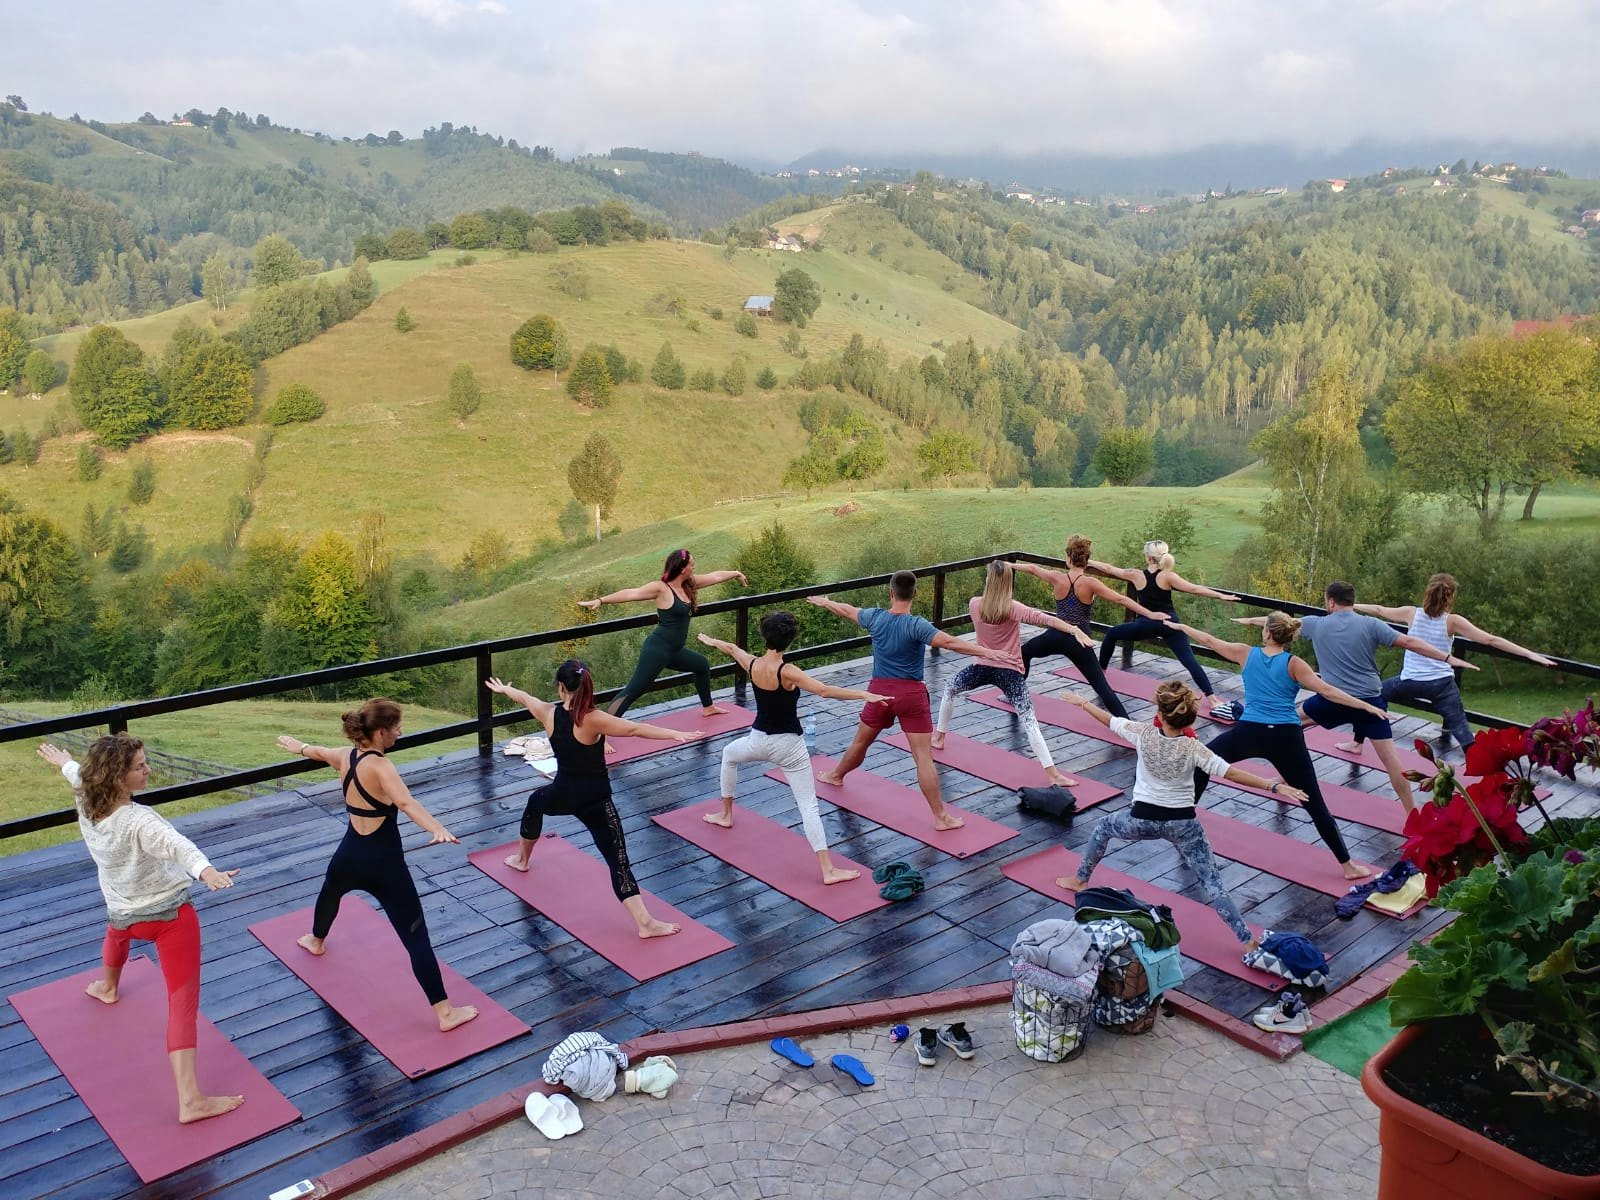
{"x":1181,"y":1112}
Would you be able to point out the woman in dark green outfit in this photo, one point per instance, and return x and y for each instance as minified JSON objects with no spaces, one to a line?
{"x":676,"y":595}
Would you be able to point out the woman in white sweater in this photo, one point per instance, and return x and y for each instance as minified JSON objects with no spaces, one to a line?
{"x":145,"y":868}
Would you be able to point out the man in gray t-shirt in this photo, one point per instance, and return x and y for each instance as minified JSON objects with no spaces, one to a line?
{"x":1347,"y":644}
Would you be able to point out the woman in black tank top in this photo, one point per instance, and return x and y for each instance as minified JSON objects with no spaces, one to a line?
{"x":777,"y":736}
{"x":1155,"y":582}
{"x":582,"y":786}
{"x":370,"y":858}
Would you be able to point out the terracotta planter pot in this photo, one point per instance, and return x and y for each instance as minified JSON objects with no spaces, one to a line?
{"x":1429,"y":1157}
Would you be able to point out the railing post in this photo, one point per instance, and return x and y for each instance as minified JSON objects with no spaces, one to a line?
{"x":119,"y":724}
{"x":741,"y":638}
{"x":485,"y":668}
{"x":938,"y":599}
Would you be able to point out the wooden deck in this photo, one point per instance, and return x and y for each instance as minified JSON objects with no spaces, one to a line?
{"x":786,"y":957}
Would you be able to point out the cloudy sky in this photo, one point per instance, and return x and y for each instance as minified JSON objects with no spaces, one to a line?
{"x":768,"y":82}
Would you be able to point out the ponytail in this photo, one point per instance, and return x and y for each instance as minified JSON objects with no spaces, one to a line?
{"x":575,"y":676}
{"x":1157,"y":552}
{"x":361,"y":723}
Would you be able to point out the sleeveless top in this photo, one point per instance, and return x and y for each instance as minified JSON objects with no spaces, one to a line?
{"x":1072,"y":610}
{"x":1436,"y":632}
{"x":777,"y":709}
{"x":574,"y":759}
{"x":1269,"y":689}
{"x":388,"y":815}
{"x":1152,"y":595}
{"x":672,"y":624}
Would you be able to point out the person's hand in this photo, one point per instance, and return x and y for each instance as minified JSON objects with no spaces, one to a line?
{"x":990,"y":652}
{"x":1459,"y":663}
{"x":874,"y":698}
{"x":686,"y":735}
{"x":1290,"y":793}
{"x":706,"y":639}
{"x":819,"y":601}
{"x":290,"y":744}
{"x":588,"y":604}
{"x":1374,"y":710}
{"x":1083,"y":638}
{"x":495,"y":684}
{"x":740,"y":576}
{"x":54,"y":755}
{"x":217,"y":880}
{"x":1541,"y":660}
{"x":1074,"y":698}
{"x":444,"y":835}
{"x":1226,"y":596}
{"x":1162,"y":616}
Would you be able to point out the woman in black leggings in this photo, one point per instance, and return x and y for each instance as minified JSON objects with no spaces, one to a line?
{"x":582,"y":786}
{"x":1075,"y":596}
{"x":370,"y":858}
{"x":1270,"y":728}
{"x":1154,"y":584}
{"x":677,"y":595}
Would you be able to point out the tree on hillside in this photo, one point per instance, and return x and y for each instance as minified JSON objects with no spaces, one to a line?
{"x":407,"y":243}
{"x":294,"y":404}
{"x":541,"y":240}
{"x":589,"y":381}
{"x":948,"y":453}
{"x":1123,"y":455}
{"x":668,"y":370}
{"x":323,"y":615}
{"x":465,"y":392}
{"x":372,"y":247}
{"x":540,"y":344}
{"x":403,"y":321}
{"x":13,"y":347}
{"x":864,"y":456}
{"x":469,"y":231}
{"x":113,"y":393}
{"x":89,"y":464}
{"x":766,"y":378}
{"x":39,"y":373}
{"x":212,"y":387}
{"x":142,"y":481}
{"x":734,"y":378}
{"x":774,"y":561}
{"x":363,"y":288}
{"x":1496,"y":414}
{"x":275,"y":260}
{"x":44,"y":621}
{"x":795,"y":297}
{"x":218,"y":282}
{"x":593,"y":473}
{"x":816,"y":466}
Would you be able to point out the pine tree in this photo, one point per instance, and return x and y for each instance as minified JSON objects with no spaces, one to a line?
{"x":589,"y":381}
{"x":667,"y":371}
{"x":403,"y":322}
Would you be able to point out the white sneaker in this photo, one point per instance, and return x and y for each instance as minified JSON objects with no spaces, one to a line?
{"x":1288,"y":1015}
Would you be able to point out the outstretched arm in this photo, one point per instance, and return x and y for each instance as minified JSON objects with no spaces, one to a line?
{"x":1054,"y":578}
{"x":394,"y":788}
{"x":848,"y":612}
{"x":828,"y":692}
{"x":1400,"y":616}
{"x":1179,"y":583}
{"x":1417,"y":646}
{"x":1277,"y":787}
{"x":1461,"y":627}
{"x":622,"y":727}
{"x":738,"y":653}
{"x":943,"y":641}
{"x":649,"y":591}
{"x":1236,"y":652}
{"x":1102,"y":592}
{"x":1056,"y":623}
{"x":326,"y":755}
{"x":1088,"y":706}
{"x":712,"y":578}
{"x":1300,"y":671}
{"x":1126,"y":574}
{"x":1258,"y":622}
{"x":543,"y":711}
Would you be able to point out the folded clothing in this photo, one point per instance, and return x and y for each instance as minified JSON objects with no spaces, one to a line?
{"x":1412,"y":890}
{"x":1392,"y":880}
{"x":654,"y":1076}
{"x":586,"y":1064}
{"x":1291,"y":956}
{"x":1063,"y":948}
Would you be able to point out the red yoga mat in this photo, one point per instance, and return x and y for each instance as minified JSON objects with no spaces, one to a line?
{"x":1002,"y":766}
{"x":1127,"y":683}
{"x":1345,"y":803}
{"x":573,"y":889}
{"x":115,"y":1058}
{"x":776,"y":856}
{"x":1326,"y":741}
{"x":1206,"y":937}
{"x":903,"y":809}
{"x":1299,"y":862}
{"x":624,"y":749}
{"x":1053,"y":711}
{"x":365,"y":977}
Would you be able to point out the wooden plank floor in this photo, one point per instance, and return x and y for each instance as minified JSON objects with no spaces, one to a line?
{"x":786,"y":957}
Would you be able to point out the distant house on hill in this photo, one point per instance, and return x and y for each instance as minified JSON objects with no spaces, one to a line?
{"x":183,"y":121}
{"x":760,"y":306}
{"x":1278,"y":190}
{"x":784,"y":241}
{"x":1337,"y":185}
{"x":1578,"y":231}
{"x":1145,"y":208}
{"x":1525,"y":328}
{"x":1590,"y":216}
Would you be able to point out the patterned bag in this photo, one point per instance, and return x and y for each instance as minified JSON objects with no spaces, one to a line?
{"x":1050,"y":1014}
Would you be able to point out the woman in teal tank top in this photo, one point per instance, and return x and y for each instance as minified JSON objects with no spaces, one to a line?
{"x":676,"y":595}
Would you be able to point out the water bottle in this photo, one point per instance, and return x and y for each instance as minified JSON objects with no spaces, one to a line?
{"x":811,"y":729}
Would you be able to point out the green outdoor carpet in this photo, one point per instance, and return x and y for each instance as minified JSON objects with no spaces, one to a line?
{"x":1348,"y":1041}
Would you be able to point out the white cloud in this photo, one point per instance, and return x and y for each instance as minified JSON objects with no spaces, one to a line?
{"x":448,"y":12}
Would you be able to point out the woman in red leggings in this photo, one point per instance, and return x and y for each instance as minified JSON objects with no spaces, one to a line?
{"x":145,"y":868}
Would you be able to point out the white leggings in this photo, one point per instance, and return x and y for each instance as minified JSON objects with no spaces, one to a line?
{"x":786,"y":751}
{"x":1014,"y":685}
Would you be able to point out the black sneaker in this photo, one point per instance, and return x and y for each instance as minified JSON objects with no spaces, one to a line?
{"x":927,"y":1047}
{"x":956,"y":1037}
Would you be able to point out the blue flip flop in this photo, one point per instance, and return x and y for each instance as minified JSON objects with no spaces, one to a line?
{"x":852,"y":1067}
{"x":793,"y":1051}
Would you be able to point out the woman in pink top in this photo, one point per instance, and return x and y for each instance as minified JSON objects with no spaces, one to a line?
{"x":998,"y":619}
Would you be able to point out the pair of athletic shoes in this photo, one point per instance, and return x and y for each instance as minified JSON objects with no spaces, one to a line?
{"x":954,"y":1035}
{"x":1288,"y":1014}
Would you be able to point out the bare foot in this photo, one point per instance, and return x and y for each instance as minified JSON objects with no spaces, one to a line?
{"x":312,"y":943}
{"x":712,"y":710}
{"x":945,"y":821}
{"x":1349,"y":747}
{"x":1252,"y":945}
{"x":190,"y":1111}
{"x":1072,"y":883}
{"x":1355,"y":870}
{"x":459,"y":1014}
{"x":102,"y":991}
{"x":516,"y":863}
{"x":655,"y":928}
{"x":937,"y":741}
{"x":835,"y":875}
{"x":1060,"y":780}
{"x":723,"y":819}
{"x":831,"y":778}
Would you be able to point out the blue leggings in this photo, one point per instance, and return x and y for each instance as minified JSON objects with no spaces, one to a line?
{"x":1189,"y":838}
{"x":1146,"y":630}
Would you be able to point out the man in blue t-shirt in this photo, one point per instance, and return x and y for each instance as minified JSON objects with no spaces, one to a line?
{"x":898,"y":639}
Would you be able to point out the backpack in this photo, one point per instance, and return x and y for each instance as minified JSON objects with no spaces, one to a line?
{"x":1153,"y":921}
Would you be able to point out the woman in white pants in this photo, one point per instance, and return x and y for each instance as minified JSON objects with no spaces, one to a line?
{"x":777,"y":736}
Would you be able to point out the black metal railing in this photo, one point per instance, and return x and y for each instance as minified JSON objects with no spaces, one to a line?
{"x":481,"y":654}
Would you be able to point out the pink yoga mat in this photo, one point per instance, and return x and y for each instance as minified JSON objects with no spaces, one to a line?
{"x":776,"y":856}
{"x":902,"y":808}
{"x":115,"y":1058}
{"x":1002,"y":766}
{"x":1126,"y":683}
{"x":1299,"y":862}
{"x":1206,"y":937}
{"x":1326,"y":741}
{"x":624,"y":749}
{"x":573,"y":889}
{"x":1053,"y":711}
{"x":365,"y":977}
{"x":1345,"y":803}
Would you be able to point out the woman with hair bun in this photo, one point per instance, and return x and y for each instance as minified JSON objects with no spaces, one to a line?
{"x":777,"y":736}
{"x":1269,"y":727}
{"x":371,"y":858}
{"x":677,"y":596}
{"x":1154,"y":584}
{"x":582,"y":786}
{"x":145,"y":868}
{"x":1169,"y":755}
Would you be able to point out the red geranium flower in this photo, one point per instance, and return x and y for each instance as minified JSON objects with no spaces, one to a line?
{"x":1494,"y":749}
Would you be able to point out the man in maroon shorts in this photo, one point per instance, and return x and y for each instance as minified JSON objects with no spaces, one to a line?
{"x":898,"y":638}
